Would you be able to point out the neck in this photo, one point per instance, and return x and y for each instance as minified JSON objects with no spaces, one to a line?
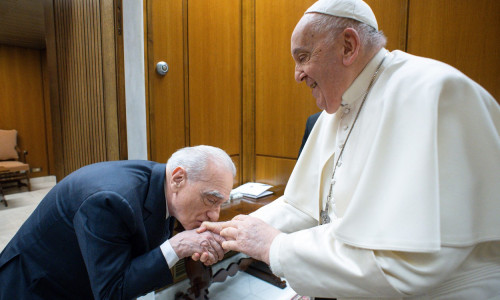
{"x":365,"y":56}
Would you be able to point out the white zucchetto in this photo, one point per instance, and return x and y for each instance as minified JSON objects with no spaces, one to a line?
{"x":353,"y":9}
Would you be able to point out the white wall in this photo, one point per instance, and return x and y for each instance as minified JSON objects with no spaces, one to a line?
{"x":135,"y":93}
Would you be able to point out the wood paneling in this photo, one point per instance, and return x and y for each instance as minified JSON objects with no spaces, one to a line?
{"x":236,"y":160}
{"x":464,"y":34}
{"x":22,"y":102}
{"x":248,"y":97}
{"x":22,"y":23}
{"x":282,"y":105}
{"x":84,"y":107}
{"x":166,"y":103}
{"x":392,"y":20}
{"x":273,"y":171}
{"x":215,"y":57}
{"x":48,"y":115}
{"x":240,"y":93}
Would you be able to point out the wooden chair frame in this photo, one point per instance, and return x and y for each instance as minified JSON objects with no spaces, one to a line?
{"x":7,"y":175}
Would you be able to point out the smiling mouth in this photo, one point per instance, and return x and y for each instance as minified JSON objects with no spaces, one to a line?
{"x":314,"y":85}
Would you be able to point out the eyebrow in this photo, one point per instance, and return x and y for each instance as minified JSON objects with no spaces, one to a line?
{"x":213,"y":193}
{"x":297,"y":50}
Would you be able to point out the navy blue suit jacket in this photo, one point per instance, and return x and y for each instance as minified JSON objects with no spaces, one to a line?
{"x":95,"y":235}
{"x":311,"y":120}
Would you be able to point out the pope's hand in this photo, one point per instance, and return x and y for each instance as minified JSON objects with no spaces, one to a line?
{"x":245,"y":234}
{"x":206,"y":246}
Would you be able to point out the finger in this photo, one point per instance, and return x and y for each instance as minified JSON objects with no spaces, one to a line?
{"x":218,"y":238}
{"x":217,"y":247}
{"x":201,"y":229}
{"x":204,"y":257}
{"x":195,"y":256}
{"x":229,"y":233}
{"x":240,"y":217}
{"x":230,"y":245}
{"x":207,"y":257}
{"x":210,"y":246}
{"x":209,"y":263}
{"x":211,"y":226}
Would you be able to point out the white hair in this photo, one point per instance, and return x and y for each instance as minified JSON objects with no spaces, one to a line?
{"x":195,"y":160}
{"x":371,"y":38}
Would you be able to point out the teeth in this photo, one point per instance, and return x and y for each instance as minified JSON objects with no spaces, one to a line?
{"x":314,"y":85}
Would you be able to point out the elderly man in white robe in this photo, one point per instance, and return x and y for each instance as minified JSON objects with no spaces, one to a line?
{"x":397,"y":191}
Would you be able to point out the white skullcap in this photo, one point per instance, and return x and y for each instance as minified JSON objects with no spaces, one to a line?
{"x":353,"y":9}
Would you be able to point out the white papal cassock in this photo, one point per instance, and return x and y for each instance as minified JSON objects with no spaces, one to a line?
{"x":416,"y":199}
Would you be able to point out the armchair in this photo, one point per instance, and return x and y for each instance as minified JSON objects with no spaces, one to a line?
{"x":13,"y":166}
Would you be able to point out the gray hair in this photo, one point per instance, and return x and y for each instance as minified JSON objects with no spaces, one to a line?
{"x":195,"y":160}
{"x":371,"y":38}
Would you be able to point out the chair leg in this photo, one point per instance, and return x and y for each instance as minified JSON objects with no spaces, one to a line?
{"x":2,"y":197}
{"x":29,"y":183}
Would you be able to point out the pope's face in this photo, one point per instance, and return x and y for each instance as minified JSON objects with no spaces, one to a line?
{"x":317,"y":64}
{"x":193,"y":202}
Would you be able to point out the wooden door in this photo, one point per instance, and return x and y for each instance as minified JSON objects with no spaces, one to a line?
{"x":199,"y":100}
{"x":166,"y":108}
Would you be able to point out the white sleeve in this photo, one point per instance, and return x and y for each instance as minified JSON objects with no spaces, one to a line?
{"x":169,"y":254}
{"x":284,"y":216}
{"x":315,"y":263}
{"x":411,"y":273}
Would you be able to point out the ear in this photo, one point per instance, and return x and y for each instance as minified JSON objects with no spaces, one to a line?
{"x":178,"y":178}
{"x":351,"y":46}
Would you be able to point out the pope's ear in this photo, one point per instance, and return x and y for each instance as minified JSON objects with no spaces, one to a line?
{"x":351,"y":45}
{"x":178,"y":178}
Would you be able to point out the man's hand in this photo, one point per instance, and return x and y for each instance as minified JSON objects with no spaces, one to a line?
{"x":245,"y":234}
{"x":206,"y":246}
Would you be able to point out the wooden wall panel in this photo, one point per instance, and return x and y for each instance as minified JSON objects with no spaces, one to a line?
{"x":84,"y":99}
{"x":248,"y":92}
{"x":282,"y":105}
{"x":392,"y":20}
{"x":215,"y":58}
{"x":22,"y":102}
{"x":48,"y":115}
{"x":22,"y":23}
{"x":464,"y":34}
{"x":236,"y":160}
{"x":273,"y":171}
{"x":166,"y":99}
{"x":249,"y":96}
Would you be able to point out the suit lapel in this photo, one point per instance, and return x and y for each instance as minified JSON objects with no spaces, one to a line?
{"x":155,"y":221}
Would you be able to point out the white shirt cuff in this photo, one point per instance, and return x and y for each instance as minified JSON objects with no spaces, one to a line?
{"x":274,"y":259}
{"x":169,"y":254}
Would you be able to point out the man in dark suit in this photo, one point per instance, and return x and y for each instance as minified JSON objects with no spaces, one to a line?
{"x":105,"y":231}
{"x":311,"y":120}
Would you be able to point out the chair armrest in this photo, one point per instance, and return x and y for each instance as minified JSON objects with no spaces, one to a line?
{"x":22,"y":154}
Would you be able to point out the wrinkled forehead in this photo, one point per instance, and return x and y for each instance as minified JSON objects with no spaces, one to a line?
{"x":221,"y":179}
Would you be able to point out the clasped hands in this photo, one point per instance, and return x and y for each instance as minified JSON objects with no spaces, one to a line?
{"x":243,"y":233}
